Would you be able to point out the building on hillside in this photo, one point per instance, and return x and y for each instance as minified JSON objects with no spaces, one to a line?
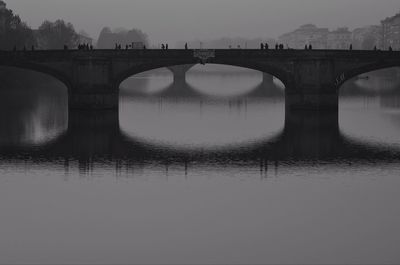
{"x":367,"y":38}
{"x":391,"y":32}
{"x":307,"y":34}
{"x":339,"y":39}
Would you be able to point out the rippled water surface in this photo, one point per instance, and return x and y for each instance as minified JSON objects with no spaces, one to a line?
{"x":211,"y":170}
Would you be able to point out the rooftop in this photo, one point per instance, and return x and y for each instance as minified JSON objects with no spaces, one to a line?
{"x":391,"y":19}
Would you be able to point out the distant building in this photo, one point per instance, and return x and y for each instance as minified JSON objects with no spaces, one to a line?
{"x":391,"y":32}
{"x":306,"y":35}
{"x":340,"y":39}
{"x":367,"y":38}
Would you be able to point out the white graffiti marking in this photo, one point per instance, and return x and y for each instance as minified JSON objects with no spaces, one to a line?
{"x":340,"y":79}
{"x":204,"y":55}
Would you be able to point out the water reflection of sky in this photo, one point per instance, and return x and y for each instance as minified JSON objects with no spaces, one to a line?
{"x":200,"y":125}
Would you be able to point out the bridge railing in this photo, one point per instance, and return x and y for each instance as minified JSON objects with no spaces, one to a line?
{"x":174,"y":53}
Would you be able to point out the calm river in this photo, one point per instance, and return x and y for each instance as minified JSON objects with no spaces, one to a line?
{"x":211,"y":170}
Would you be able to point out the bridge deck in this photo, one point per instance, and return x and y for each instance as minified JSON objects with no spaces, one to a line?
{"x":149,"y":53}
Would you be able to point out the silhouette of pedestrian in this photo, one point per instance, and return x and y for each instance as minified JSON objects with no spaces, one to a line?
{"x":186,"y":46}
{"x":310,"y":47}
{"x":266,"y":46}
{"x":162,"y":47}
{"x":390,"y":48}
{"x":375,"y":48}
{"x":166,"y":46}
{"x":33,"y":48}
{"x":144,"y":47}
{"x":276,"y":46}
{"x":351,"y":47}
{"x":262,"y":46}
{"x":305,"y":47}
{"x":91,"y":47}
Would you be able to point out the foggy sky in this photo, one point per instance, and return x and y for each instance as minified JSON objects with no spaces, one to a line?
{"x":173,"y":20}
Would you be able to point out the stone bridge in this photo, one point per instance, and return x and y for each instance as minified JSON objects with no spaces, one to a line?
{"x":312,"y":77}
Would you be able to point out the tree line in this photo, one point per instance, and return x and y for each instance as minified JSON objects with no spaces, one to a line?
{"x":16,"y":34}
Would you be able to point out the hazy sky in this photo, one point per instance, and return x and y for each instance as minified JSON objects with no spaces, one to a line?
{"x":173,"y":20}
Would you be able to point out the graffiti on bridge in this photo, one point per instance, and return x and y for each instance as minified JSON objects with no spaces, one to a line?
{"x":204,"y":55}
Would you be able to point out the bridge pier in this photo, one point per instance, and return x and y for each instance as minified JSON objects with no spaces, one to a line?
{"x":312,"y":86}
{"x":93,"y":85}
{"x":96,"y":100}
{"x":179,"y":72}
{"x":312,"y":101}
{"x":310,"y":134}
{"x":91,"y":132}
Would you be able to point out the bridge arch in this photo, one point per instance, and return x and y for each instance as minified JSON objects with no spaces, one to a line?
{"x":350,"y":74}
{"x":264,"y":68}
{"x":40,"y":69}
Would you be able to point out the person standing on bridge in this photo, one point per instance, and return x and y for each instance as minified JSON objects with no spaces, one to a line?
{"x":310,"y":47}
{"x":186,"y":46}
{"x":276,"y":46}
{"x":351,"y":47}
{"x":262,"y":46}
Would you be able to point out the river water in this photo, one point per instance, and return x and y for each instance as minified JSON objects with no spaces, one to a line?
{"x":211,"y":170}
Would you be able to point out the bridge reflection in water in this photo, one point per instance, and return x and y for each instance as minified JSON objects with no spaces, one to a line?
{"x":94,"y":137}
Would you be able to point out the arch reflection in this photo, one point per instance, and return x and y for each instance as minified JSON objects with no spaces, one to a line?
{"x":95,"y":138}
{"x":191,"y":124}
{"x":34,"y":109}
{"x":371,"y":101}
